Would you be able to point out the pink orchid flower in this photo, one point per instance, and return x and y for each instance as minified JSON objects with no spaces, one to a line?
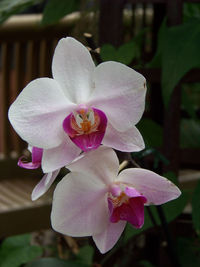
{"x":94,"y":200}
{"x":42,"y":187}
{"x":82,"y":107}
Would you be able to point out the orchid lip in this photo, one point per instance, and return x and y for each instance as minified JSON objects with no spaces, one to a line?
{"x":126,"y":204}
{"x":86,"y":127}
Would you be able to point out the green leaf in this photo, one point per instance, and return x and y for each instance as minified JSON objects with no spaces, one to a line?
{"x":171,"y":176}
{"x":55,"y":10}
{"x":124,"y":54}
{"x":180,"y":53}
{"x":86,"y":254}
{"x":196,"y":209}
{"x":16,"y":241}
{"x":193,"y":93}
{"x":108,"y":52}
{"x":190,"y":133}
{"x":191,"y":10}
{"x":186,"y":252}
{"x":17,"y":250}
{"x":175,"y":207}
{"x":14,"y":257}
{"x":53,"y":262}
{"x":187,"y":103}
{"x":151,"y":132}
{"x":11,"y":7}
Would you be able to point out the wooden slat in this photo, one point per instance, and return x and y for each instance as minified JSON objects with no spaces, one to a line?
{"x":6,"y":50}
{"x":173,"y":112}
{"x":23,"y":28}
{"x":32,"y":60}
{"x":110,"y":21}
{"x":46,"y":53}
{"x":17,"y":209}
{"x":18,"y":84}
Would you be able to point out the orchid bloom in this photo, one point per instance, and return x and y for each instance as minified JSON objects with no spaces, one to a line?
{"x":48,"y":178}
{"x":94,"y":200}
{"x":82,"y":107}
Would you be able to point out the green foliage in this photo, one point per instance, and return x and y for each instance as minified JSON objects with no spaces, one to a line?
{"x":171,"y":210}
{"x":86,"y":254}
{"x":180,"y":53}
{"x":196,"y":208}
{"x":191,"y":10}
{"x":17,"y":250}
{"x":151,"y":132}
{"x":55,"y":10}
{"x":187,"y":104}
{"x":124,"y":54}
{"x":192,"y":90}
{"x":11,"y":7}
{"x":190,"y":133}
{"x":53,"y":262}
{"x":188,"y":252}
{"x":82,"y":259}
{"x":172,"y":177}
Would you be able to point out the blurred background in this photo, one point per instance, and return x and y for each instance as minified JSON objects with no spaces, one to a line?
{"x":161,"y":40}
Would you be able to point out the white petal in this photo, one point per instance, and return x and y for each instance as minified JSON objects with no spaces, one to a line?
{"x":102,"y":162}
{"x":38,"y":112}
{"x":44,"y":184}
{"x":73,"y":67}
{"x":59,"y":156}
{"x":80,"y":205}
{"x":128,"y":141}
{"x":119,"y":93}
{"x":154,"y":187}
{"x":108,"y":238}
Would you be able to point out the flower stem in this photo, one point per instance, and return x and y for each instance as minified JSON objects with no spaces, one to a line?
{"x":94,"y":50}
{"x":170,"y":246}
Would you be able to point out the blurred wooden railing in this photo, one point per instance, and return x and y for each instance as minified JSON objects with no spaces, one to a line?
{"x":26,"y":50}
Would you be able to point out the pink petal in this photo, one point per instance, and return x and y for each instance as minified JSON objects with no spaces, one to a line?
{"x":36,"y":159}
{"x":90,"y":141}
{"x":120,"y":93}
{"x":109,"y":237}
{"x":59,"y":156}
{"x":44,"y":184}
{"x":102,"y":163}
{"x":79,"y":205}
{"x":73,"y":67}
{"x":38,"y":112}
{"x":128,"y":141}
{"x":154,"y":187}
